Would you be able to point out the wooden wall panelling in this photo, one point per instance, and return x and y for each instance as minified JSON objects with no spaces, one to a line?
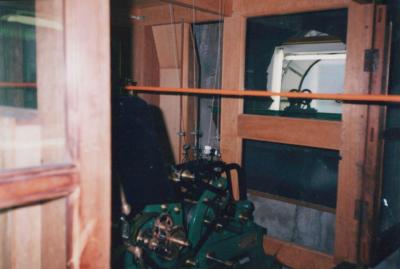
{"x":4,"y":251}
{"x":37,"y":233}
{"x":233,"y":61}
{"x":50,"y":78}
{"x":168,"y":41}
{"x":210,"y":6}
{"x":253,"y":8}
{"x":372,"y":182}
{"x":174,"y":49}
{"x":20,"y":133}
{"x":190,"y":77}
{"x":25,"y":242}
{"x":24,"y":227}
{"x":146,"y":3}
{"x":170,"y":109}
{"x":296,"y":256}
{"x":159,"y":15}
{"x":146,"y":69}
{"x":20,"y":234}
{"x":27,"y":145}
{"x":50,"y":74}
{"x":19,"y":248}
{"x":54,"y":234}
{"x":88,"y":82}
{"x":354,"y":120}
{"x":294,"y":131}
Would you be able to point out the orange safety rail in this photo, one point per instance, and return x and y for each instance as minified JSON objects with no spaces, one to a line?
{"x":367,"y":98}
{"x":18,"y":85}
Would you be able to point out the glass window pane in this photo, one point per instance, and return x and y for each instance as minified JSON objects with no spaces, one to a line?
{"x":32,"y":88}
{"x":302,"y":53}
{"x":295,"y":172}
{"x":18,"y":54}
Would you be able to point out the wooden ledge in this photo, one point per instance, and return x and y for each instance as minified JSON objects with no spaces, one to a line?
{"x":34,"y":185}
{"x":294,"y":131}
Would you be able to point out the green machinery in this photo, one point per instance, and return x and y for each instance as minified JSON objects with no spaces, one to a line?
{"x":206,"y":228}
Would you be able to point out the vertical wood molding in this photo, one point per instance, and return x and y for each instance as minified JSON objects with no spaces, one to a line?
{"x":87,"y":26}
{"x":372,"y":185}
{"x":354,"y":128}
{"x":233,"y":64}
{"x":50,"y":66}
{"x":253,"y":8}
{"x":73,"y":230}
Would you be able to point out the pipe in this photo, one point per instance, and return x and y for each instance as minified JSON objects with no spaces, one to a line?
{"x":367,"y":98}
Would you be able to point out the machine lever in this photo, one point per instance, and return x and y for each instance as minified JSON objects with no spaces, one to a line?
{"x":211,"y":257}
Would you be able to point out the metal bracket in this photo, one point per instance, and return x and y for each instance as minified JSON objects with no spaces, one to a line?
{"x":371,"y":58}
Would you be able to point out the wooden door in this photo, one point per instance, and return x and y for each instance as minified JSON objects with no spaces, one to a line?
{"x":55,"y":156}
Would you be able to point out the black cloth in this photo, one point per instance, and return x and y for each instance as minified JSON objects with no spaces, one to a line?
{"x":137,"y":158}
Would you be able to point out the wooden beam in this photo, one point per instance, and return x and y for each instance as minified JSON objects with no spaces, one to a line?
{"x":253,"y":8}
{"x":373,"y":170}
{"x":304,"y":132}
{"x":349,"y":97}
{"x":354,"y":133}
{"x":166,"y":14}
{"x":232,"y":78}
{"x":36,"y":185}
{"x":87,"y":53}
{"x":218,"y":7}
{"x":295,"y":256}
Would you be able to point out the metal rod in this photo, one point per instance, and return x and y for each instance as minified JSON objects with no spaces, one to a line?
{"x":368,"y":98}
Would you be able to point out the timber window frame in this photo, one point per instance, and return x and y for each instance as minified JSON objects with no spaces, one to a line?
{"x":84,"y":180}
{"x":354,"y":237}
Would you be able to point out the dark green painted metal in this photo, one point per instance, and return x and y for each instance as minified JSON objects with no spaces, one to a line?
{"x":238,"y":241}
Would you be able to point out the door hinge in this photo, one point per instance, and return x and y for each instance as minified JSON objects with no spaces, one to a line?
{"x":371,"y":59}
{"x":361,"y":210}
